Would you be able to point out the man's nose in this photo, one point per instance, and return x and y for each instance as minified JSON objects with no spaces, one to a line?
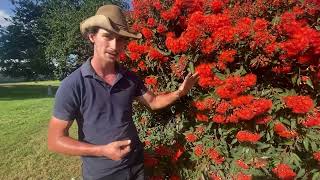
{"x":113,"y":43}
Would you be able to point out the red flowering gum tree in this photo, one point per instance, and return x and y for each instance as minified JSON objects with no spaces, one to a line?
{"x":255,"y":110}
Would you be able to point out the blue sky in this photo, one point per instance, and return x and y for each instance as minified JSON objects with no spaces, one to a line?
{"x":5,"y":11}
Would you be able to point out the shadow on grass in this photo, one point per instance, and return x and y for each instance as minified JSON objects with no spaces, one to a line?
{"x":21,"y":92}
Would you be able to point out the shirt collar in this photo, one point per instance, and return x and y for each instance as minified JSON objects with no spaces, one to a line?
{"x":87,"y":70}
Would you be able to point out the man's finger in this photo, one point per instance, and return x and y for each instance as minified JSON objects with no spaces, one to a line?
{"x":123,"y":143}
{"x":125,"y":150}
{"x":188,"y":76}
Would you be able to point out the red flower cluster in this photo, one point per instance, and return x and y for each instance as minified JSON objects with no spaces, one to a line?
{"x":151,"y":80}
{"x":222,"y":107}
{"x":257,"y":107}
{"x":299,"y":104}
{"x":246,"y":136}
{"x":202,"y":117}
{"x":264,"y":120}
{"x":205,"y":104}
{"x":282,"y":131}
{"x":150,"y":161}
{"x":235,"y":85}
{"x":178,"y":153}
{"x":242,"y":176}
{"x":206,"y":76}
{"x":283,"y":171}
{"x":316,"y":156}
{"x":156,"y":55}
{"x":242,"y":164}
{"x":215,"y":156}
{"x":227,"y":56}
{"x":198,"y":150}
{"x":312,"y":120}
{"x":242,"y":100}
{"x":190,"y":137}
{"x":163,"y":150}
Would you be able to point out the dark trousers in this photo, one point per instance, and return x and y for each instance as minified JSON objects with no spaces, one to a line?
{"x":136,"y":172}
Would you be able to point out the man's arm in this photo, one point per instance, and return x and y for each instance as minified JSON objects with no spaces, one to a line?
{"x":60,"y":142}
{"x":160,"y":101}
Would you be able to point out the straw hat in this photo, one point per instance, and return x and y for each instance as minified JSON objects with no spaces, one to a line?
{"x":109,"y":17}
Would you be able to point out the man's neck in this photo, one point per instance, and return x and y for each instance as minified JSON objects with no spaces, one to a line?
{"x":103,"y":68}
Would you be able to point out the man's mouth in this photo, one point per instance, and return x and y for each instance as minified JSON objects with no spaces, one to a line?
{"x":112,"y":53}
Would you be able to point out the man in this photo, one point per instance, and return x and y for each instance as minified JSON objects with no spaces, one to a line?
{"x":99,"y":96}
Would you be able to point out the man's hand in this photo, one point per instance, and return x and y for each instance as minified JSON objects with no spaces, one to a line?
{"x":116,"y":150}
{"x":188,"y":83}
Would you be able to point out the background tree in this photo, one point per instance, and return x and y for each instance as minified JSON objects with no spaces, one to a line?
{"x":64,"y":44}
{"x":22,"y":43}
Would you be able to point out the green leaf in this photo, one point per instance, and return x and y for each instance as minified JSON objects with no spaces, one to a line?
{"x":314,"y":146}
{"x":294,"y":79}
{"x":306,"y":143}
{"x":301,"y":173}
{"x":316,"y":176}
{"x":191,"y":67}
{"x":309,"y":83}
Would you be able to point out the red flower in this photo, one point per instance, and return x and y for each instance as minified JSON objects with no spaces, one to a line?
{"x":207,"y":46}
{"x":236,"y":85}
{"x":241,"y":176}
{"x":246,"y":136}
{"x":147,"y":33}
{"x":150,"y":80}
{"x":215,"y":176}
{"x":150,"y":161}
{"x":215,"y":156}
{"x":283,"y":171}
{"x":219,"y":119}
{"x":216,"y":6}
{"x":202,"y":117}
{"x":151,"y":22}
{"x":174,"y":177}
{"x":198,"y":150}
{"x":227,"y":56}
{"x":282,"y":131}
{"x":206,"y":76}
{"x":142,"y":66}
{"x":312,"y":120}
{"x":257,"y":107}
{"x":316,"y":156}
{"x":205,"y":104}
{"x":264,"y":120}
{"x":190,"y":137}
{"x":161,"y":28}
{"x":242,"y":164}
{"x":299,"y":104}
{"x":222,"y":107}
{"x":241,"y":100}
{"x":135,"y":56}
{"x":133,"y":46}
{"x":177,"y":154}
{"x":155,"y":54}
{"x":163,"y":150}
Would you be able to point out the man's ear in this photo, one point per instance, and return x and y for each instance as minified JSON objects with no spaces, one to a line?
{"x":91,"y":38}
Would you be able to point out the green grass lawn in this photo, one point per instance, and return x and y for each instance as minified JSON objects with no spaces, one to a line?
{"x":25,"y":110}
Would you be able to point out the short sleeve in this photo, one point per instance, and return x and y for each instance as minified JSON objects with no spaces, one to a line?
{"x":66,"y":103}
{"x":141,"y":88}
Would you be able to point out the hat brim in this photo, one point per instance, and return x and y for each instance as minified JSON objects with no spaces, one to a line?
{"x":104,"y":22}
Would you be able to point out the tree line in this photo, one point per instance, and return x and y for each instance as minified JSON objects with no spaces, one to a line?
{"x":43,"y":40}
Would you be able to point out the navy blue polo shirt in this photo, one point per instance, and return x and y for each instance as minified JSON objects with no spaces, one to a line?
{"x":103,"y":114}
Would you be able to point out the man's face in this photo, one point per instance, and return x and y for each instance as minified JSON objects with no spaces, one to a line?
{"x":108,"y":45}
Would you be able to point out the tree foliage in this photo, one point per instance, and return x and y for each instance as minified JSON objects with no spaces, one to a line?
{"x":64,"y":43}
{"x":21,"y":43}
